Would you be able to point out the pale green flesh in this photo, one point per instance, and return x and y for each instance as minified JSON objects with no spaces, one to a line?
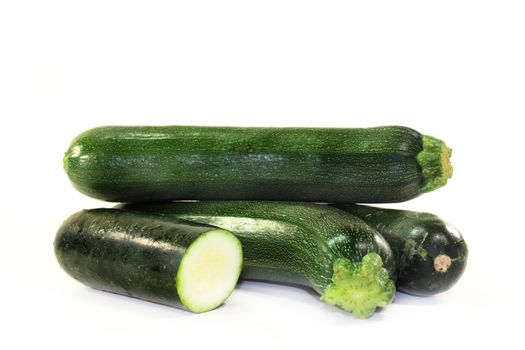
{"x":209,"y":270}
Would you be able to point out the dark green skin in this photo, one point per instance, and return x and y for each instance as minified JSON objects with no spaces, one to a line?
{"x":137,"y":163}
{"x":417,"y":239}
{"x":132,"y":254}
{"x":285,"y":242}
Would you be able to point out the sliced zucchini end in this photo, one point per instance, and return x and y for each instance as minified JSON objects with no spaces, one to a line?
{"x":209,"y":270}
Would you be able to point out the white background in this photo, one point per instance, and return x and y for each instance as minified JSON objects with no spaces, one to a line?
{"x":452,"y":69}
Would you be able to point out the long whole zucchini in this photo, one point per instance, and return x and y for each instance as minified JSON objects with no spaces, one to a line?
{"x":336,"y":254}
{"x":185,"y":265}
{"x":153,"y":163}
{"x":431,"y":255}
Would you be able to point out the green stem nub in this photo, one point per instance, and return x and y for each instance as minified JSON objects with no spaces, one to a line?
{"x":360,"y":287}
{"x":434,"y":160}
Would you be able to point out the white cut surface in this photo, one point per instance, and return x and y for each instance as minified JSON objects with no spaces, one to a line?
{"x":209,"y":270}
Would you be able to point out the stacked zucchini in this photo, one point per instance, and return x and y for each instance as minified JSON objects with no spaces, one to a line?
{"x":203,"y":206}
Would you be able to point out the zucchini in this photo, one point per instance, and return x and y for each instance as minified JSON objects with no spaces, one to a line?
{"x":190,"y":266}
{"x":313,"y":245}
{"x":154,"y":163}
{"x":431,"y":255}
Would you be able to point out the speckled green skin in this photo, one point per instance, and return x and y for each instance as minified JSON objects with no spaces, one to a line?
{"x":416,"y":240}
{"x":133,"y":254}
{"x":134,"y":164}
{"x":286,"y":242}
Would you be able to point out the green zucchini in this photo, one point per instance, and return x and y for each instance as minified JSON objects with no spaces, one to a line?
{"x":313,"y":245}
{"x":431,"y":255}
{"x":154,"y":163}
{"x":190,"y":266}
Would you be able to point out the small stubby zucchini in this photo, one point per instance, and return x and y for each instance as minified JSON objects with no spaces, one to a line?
{"x":431,"y":254}
{"x":345,"y":165}
{"x":185,"y":265}
{"x":348,"y":263}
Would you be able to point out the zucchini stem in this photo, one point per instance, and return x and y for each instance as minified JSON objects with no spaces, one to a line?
{"x":360,"y":287}
{"x":434,"y":160}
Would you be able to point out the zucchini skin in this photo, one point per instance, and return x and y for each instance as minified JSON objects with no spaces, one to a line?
{"x":430,"y":255}
{"x":132,"y":254}
{"x":284,"y":242}
{"x":155,"y":163}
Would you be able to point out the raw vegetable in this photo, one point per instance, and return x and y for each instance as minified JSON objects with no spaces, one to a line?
{"x":185,"y":265}
{"x":431,"y":255}
{"x":335,"y":253}
{"x":153,"y":163}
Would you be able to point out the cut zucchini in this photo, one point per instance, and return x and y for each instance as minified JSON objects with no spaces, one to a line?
{"x":185,"y":265}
